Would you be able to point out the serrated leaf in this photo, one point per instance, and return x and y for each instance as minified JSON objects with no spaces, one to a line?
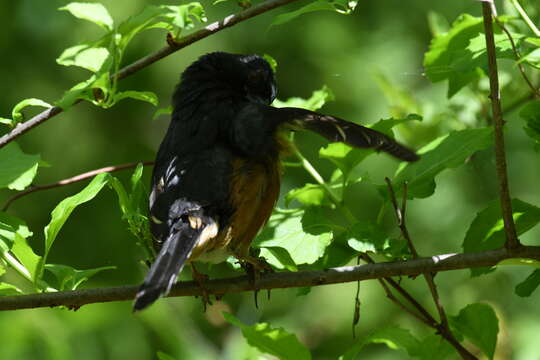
{"x":69,"y":278}
{"x":85,"y":56}
{"x":394,"y":337}
{"x":309,"y":195}
{"x":63,"y":210}
{"x":448,"y":151}
{"x":527,"y":286}
{"x":317,"y":100}
{"x":486,"y":231}
{"x":16,"y":112}
{"x":93,"y":12}
{"x":479,"y":324}
{"x":273,"y":341}
{"x":459,"y":55}
{"x":531,"y":114}
{"x":147,"y":96}
{"x":18,"y":169}
{"x":286,"y":232}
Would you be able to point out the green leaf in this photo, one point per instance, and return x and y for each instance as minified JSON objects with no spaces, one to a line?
{"x":273,"y":63}
{"x":394,"y":337}
{"x":459,"y":55}
{"x":16,"y":112}
{"x":7,"y":121}
{"x":93,"y":12}
{"x":486,"y":231}
{"x":437,"y":23}
{"x":10,"y":228}
{"x":273,"y":341}
{"x":147,"y":96}
{"x":64,"y":209}
{"x":526,"y":287}
{"x":366,"y":236}
{"x":69,"y":278}
{"x":18,"y":169}
{"x":8,"y":289}
{"x":448,"y":151}
{"x":531,"y":114}
{"x":479,"y":324}
{"x":85,"y":56}
{"x":286,"y":232}
{"x":163,"y":356}
{"x":24,"y":253}
{"x":309,"y":195}
{"x":162,"y":111}
{"x":343,"y":7}
{"x":317,"y":100}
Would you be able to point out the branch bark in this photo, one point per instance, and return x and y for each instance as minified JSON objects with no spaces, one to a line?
{"x":213,"y":28}
{"x":512,"y":241}
{"x":436,"y":263}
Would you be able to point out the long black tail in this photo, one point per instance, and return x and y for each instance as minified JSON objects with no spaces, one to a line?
{"x":338,"y":130}
{"x":169,"y":262}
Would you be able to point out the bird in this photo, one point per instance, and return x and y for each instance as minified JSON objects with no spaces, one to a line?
{"x":216,"y":177}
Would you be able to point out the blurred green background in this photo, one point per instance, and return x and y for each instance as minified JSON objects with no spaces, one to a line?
{"x":350,"y":54}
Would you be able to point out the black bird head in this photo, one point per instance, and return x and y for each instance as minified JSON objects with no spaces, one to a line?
{"x":248,"y":76}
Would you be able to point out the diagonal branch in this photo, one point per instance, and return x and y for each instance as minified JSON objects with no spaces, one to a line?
{"x":173,"y":46}
{"x":72,"y":180}
{"x":512,"y":241}
{"x":436,"y":263}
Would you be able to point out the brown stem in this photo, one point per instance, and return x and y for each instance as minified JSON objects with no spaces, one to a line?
{"x":518,"y":57}
{"x":512,"y":241}
{"x":442,"y":327}
{"x":173,"y":46}
{"x":344,"y":274}
{"x":72,"y":180}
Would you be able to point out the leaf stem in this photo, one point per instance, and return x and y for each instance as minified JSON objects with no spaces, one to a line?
{"x":525,"y":17}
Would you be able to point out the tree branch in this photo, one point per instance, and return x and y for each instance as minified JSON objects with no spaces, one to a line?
{"x":436,"y":263}
{"x":173,"y":46}
{"x":72,"y":180}
{"x":512,"y":241}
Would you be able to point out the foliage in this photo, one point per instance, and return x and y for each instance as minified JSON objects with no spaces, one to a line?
{"x":319,"y":222}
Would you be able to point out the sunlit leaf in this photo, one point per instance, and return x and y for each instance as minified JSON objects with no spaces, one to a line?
{"x":459,"y":55}
{"x":26,"y":256}
{"x":317,"y":100}
{"x":479,"y":324}
{"x":93,"y":12}
{"x":340,"y":6}
{"x":309,"y":195}
{"x":274,"y":341}
{"x":85,"y":56}
{"x":486,"y":231}
{"x":18,"y":169}
{"x":9,"y":289}
{"x":137,"y":95}
{"x":448,"y":151}
{"x":10,"y":227}
{"x":527,"y":286}
{"x":63,"y":210}
{"x":286,"y":232}
{"x":16,"y":112}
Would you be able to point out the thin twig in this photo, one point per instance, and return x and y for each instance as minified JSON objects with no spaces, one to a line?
{"x":436,"y":263}
{"x":442,"y":327}
{"x":512,"y":241}
{"x":525,"y":17}
{"x":213,"y":28}
{"x":518,"y":57}
{"x":72,"y":180}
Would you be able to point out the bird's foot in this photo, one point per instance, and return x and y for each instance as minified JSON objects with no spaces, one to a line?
{"x":201,"y":279}
{"x":254,"y":267}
